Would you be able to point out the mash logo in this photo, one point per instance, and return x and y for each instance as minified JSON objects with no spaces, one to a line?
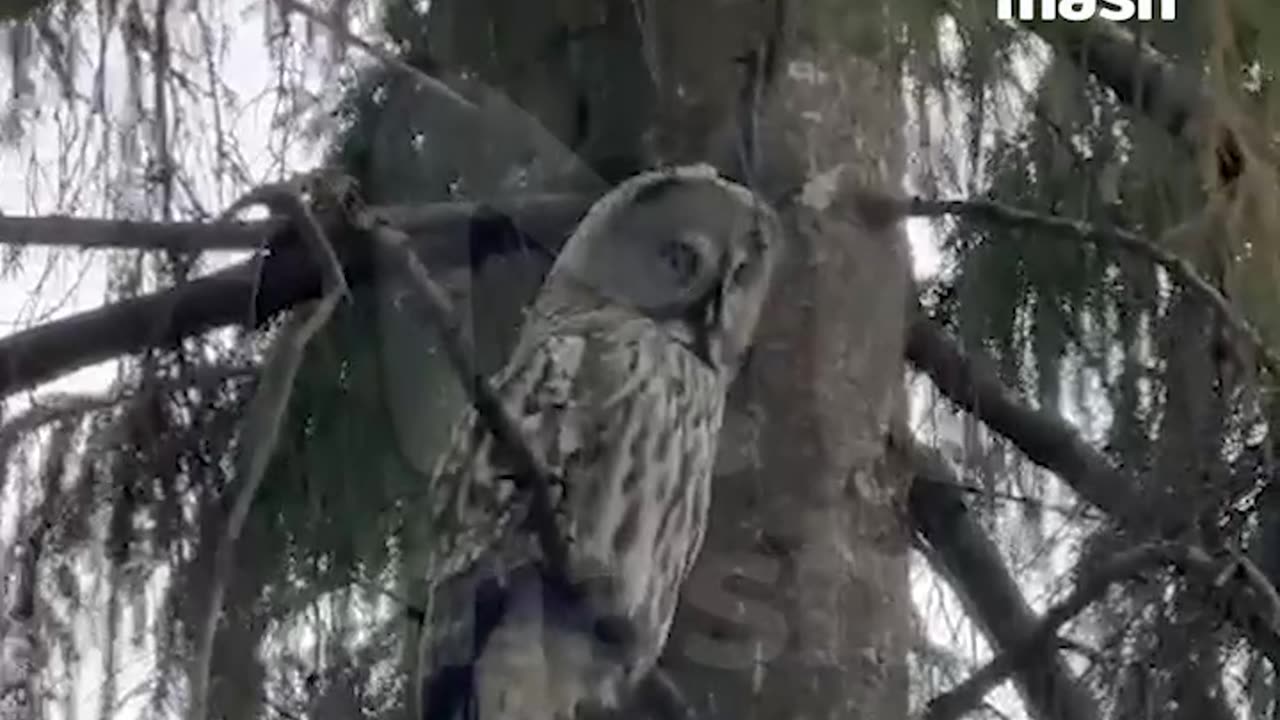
{"x":1081,"y":10}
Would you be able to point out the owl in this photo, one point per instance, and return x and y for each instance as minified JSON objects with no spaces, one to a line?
{"x":618,"y":379}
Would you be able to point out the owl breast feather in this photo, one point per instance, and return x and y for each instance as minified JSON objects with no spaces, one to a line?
{"x":628,"y":418}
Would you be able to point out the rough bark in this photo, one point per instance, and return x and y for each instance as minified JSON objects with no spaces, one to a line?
{"x":799,"y":605}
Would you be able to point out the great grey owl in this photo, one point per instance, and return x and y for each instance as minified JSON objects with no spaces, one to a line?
{"x":619,"y":378}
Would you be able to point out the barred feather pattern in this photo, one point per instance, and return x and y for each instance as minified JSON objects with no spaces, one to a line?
{"x":628,"y":418}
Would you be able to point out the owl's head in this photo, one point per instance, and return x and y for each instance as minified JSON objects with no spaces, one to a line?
{"x":685,"y":247}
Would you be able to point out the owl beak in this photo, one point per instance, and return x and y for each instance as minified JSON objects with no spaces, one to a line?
{"x":703,"y":322}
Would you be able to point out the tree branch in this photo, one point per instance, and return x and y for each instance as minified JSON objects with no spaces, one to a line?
{"x":92,"y":233}
{"x":1175,"y":98}
{"x":288,"y":276}
{"x":536,"y":213}
{"x":252,"y":292}
{"x":546,"y":215}
{"x":1049,"y":441}
{"x":1137,"y":73}
{"x":1091,"y":588}
{"x":968,"y":695}
{"x":1182,"y":271}
{"x":1045,"y":438}
{"x":961,"y":550}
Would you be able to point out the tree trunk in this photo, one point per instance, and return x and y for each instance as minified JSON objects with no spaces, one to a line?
{"x":799,"y":605}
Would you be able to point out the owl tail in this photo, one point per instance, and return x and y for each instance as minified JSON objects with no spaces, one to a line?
{"x":449,"y":691}
{"x":529,"y":654}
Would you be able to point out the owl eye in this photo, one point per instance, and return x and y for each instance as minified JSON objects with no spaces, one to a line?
{"x":683,"y":257}
{"x":742,"y":274}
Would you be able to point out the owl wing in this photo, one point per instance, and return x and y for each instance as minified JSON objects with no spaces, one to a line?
{"x":606,"y":401}
{"x":626,"y":419}
{"x":475,"y":504}
{"x":475,"y":509}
